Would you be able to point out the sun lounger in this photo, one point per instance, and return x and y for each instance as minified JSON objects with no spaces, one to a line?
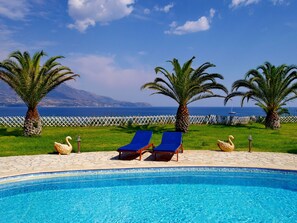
{"x":171,"y":144}
{"x":139,"y":143}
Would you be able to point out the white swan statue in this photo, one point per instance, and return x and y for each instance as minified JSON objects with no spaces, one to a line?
{"x":64,"y":149}
{"x":227,"y":146}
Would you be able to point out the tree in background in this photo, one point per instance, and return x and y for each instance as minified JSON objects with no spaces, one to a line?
{"x":32,"y":82}
{"x":186,"y":85}
{"x":270,"y":87}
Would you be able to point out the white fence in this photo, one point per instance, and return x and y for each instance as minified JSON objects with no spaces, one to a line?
{"x":288,"y":119}
{"x":17,"y":121}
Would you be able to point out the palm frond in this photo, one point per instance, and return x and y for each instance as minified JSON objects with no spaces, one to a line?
{"x":186,"y":84}
{"x":271,"y":87}
{"x":31,"y":80}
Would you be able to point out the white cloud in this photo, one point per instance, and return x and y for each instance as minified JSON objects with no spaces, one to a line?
{"x":8,"y":44}
{"x":202,"y":24}
{"x":165,"y":8}
{"x":14,"y":9}
{"x":173,"y":24}
{"x":212,"y":12}
{"x":103,"y":76}
{"x":280,"y":2}
{"x":5,"y":32}
{"x":146,"y":11}
{"x":237,"y":3}
{"x":88,"y":12}
{"x":142,"y":53}
{"x":43,"y":44}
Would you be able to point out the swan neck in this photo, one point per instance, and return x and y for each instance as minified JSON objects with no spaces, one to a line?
{"x":67,"y":141}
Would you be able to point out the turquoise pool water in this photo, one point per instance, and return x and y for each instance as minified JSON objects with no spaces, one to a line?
{"x":151,"y":195}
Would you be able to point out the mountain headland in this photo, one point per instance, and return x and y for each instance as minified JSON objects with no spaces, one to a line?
{"x":66,"y":96}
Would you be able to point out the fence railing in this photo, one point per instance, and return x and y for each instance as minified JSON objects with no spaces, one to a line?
{"x":68,"y":121}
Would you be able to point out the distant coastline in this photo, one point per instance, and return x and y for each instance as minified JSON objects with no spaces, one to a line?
{"x":135,"y":111}
{"x":66,"y":96}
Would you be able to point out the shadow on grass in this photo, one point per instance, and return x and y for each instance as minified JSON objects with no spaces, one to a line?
{"x":154,"y":129}
{"x":292,"y":151}
{"x":15,"y":132}
{"x":239,"y":126}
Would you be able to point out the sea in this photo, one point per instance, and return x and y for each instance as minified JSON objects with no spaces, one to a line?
{"x":136,"y":111}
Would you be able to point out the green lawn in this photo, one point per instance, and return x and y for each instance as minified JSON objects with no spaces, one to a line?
{"x":199,"y":137}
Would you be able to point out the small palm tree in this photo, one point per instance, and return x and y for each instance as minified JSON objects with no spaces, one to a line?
{"x":32,"y":81}
{"x":270,"y":87}
{"x":186,"y":85}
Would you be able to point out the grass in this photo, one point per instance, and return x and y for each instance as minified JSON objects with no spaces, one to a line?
{"x":199,"y":137}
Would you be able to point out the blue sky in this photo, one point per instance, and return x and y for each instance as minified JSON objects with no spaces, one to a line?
{"x":115,"y":44}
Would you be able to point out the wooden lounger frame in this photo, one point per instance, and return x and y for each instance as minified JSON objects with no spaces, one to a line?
{"x":180,"y":148}
{"x":140,"y":151}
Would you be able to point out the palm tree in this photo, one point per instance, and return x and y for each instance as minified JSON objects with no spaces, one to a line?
{"x":270,"y":87}
{"x":186,"y":85}
{"x":32,"y":81}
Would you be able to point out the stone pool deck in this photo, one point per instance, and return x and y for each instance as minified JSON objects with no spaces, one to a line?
{"x":15,"y":165}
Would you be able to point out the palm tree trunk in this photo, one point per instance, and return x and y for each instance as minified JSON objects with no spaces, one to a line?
{"x":32,"y":124}
{"x":272,"y":120}
{"x":182,"y":119}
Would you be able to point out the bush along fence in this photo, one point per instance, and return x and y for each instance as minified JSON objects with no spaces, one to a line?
{"x":68,"y":121}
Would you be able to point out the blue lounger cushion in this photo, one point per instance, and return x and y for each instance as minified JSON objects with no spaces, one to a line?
{"x":132,"y":147}
{"x":171,"y":143}
{"x":139,"y":143}
{"x":167,"y":147}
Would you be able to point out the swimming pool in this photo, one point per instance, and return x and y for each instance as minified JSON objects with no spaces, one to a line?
{"x":151,"y":195}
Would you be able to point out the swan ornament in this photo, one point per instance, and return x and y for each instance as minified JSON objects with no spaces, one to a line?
{"x":64,"y":149}
{"x":226,"y":146}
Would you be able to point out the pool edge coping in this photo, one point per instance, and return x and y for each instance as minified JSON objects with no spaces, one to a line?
{"x":65,"y":173}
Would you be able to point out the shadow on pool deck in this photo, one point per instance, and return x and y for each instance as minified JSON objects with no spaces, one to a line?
{"x":151,"y":157}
